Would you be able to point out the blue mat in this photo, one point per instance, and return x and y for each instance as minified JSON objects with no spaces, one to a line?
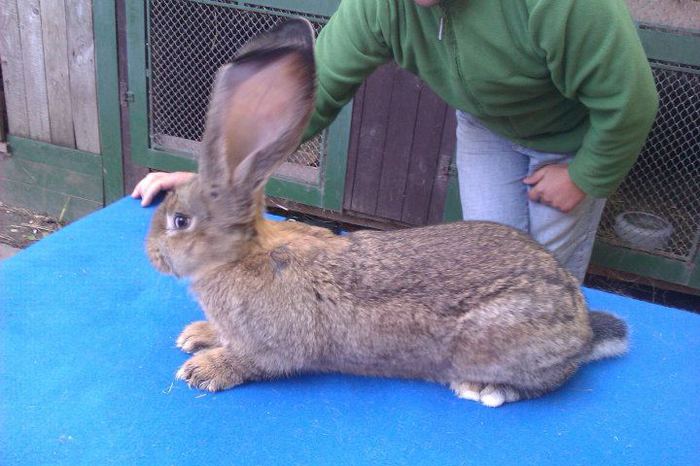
{"x":87,"y":363}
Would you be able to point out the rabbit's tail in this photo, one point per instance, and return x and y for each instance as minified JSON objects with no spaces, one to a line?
{"x":610,"y":336}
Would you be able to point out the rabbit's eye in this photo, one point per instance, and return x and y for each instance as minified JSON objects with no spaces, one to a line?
{"x":180,"y":221}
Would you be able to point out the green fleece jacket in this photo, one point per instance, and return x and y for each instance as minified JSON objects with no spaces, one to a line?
{"x":551,"y":75}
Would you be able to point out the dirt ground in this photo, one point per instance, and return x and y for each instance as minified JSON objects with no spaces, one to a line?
{"x":21,"y":227}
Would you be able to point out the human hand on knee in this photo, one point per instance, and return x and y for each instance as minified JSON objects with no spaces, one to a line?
{"x":552,"y":185}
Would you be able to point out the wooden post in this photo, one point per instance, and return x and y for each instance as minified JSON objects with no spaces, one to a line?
{"x":12,"y":72}
{"x":81,"y":59}
{"x":53,"y":25}
{"x":29,"y":14}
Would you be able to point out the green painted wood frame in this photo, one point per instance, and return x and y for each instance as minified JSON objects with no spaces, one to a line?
{"x":327,"y":194}
{"x":63,"y":182}
{"x":104,"y":21}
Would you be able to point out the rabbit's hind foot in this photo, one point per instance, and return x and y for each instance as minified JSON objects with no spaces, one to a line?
{"x":491,"y":395}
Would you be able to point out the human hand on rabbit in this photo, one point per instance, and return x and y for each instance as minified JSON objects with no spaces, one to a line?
{"x":152,"y":184}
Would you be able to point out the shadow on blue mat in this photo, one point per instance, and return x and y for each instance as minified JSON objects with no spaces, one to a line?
{"x":87,"y":344}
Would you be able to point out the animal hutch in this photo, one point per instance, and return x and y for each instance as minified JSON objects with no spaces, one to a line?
{"x":96,"y":93}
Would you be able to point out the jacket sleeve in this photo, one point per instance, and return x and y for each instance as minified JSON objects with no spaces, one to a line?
{"x":348,"y":49}
{"x":594,"y":56}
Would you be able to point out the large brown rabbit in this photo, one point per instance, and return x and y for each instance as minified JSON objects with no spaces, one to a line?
{"x":474,"y":305}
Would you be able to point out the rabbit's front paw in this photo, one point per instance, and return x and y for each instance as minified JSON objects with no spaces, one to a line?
{"x":211,"y":370}
{"x":197,"y":336}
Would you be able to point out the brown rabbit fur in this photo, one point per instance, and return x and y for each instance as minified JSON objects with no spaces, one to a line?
{"x":475,"y":305}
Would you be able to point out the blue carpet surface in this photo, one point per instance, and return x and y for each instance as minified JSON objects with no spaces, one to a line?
{"x":87,"y":363}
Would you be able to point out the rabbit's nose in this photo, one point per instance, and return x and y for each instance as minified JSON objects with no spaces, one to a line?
{"x":159,"y":260}
{"x":167,"y":265}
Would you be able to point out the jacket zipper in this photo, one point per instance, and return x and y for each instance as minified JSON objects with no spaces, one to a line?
{"x":444,"y":5}
{"x":442,"y":30}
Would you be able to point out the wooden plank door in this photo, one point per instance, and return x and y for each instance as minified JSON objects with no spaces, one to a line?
{"x":401,"y":145}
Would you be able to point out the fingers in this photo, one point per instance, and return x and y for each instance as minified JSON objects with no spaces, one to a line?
{"x":536,"y":177}
{"x":151,"y":190}
{"x":141,"y":185}
{"x":541,"y":194}
{"x":148,"y":188}
{"x":535,"y":194}
{"x":536,"y":191}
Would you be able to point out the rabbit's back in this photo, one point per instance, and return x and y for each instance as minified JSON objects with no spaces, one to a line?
{"x":453,"y":267}
{"x":461,"y":297}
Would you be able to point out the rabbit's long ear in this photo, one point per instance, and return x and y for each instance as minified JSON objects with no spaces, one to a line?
{"x":259,"y":109}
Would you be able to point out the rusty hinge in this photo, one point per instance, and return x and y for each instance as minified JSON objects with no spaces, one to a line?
{"x":128,"y":97}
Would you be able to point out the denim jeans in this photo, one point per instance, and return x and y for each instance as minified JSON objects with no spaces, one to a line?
{"x":490,"y":171}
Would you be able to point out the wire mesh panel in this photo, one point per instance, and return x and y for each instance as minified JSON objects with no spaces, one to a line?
{"x":657,"y":207}
{"x":188,"y":41}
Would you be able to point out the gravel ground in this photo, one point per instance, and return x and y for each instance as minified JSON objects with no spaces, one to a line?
{"x":21,"y":227}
